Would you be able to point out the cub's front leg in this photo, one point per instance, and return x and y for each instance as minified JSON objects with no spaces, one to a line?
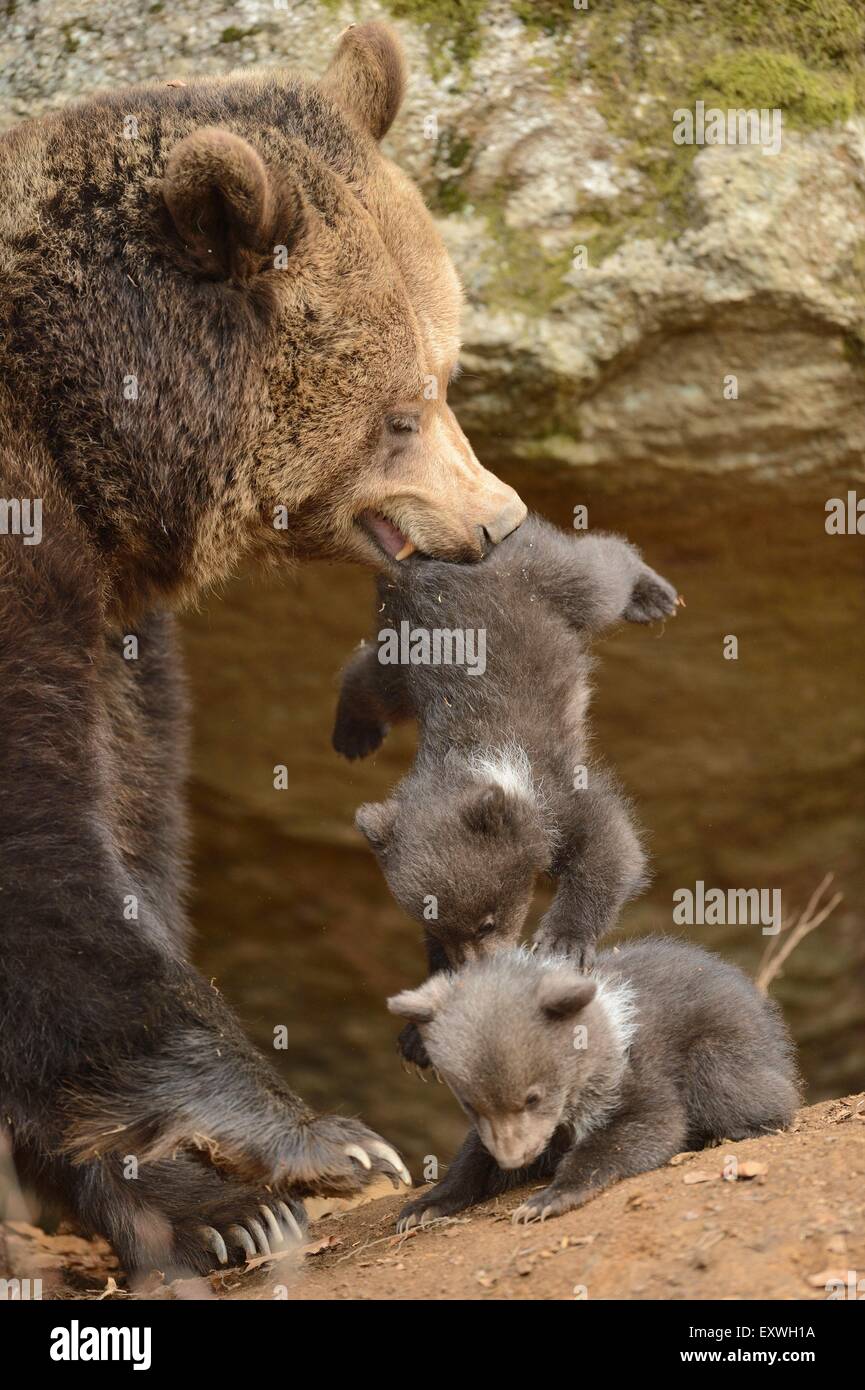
{"x":643,"y":1136}
{"x":600,"y":867}
{"x":473,"y":1176}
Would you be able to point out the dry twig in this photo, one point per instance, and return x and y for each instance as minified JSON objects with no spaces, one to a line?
{"x":781,"y":946}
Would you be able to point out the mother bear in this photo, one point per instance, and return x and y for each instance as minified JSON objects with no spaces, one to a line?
{"x":227,"y":325}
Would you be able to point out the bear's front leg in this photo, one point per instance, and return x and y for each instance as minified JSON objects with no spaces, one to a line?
{"x":642,"y":1137}
{"x":473,"y":1176}
{"x":189,"y":1080}
{"x":181,"y":1216}
{"x":600,"y":866}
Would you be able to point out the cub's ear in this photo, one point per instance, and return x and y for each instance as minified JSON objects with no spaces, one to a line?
{"x":563,"y":994}
{"x":376,"y":820}
{"x":366,"y":76}
{"x":490,"y":811}
{"x":231,"y":215}
{"x":421,"y":1005}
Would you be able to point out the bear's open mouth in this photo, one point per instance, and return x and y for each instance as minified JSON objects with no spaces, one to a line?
{"x":395,"y":544}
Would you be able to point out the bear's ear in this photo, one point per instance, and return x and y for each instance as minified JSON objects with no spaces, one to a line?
{"x":490,"y":811}
{"x":421,"y":1005}
{"x":376,"y":820}
{"x":564,"y":993}
{"x":232,"y":217}
{"x":366,"y":76}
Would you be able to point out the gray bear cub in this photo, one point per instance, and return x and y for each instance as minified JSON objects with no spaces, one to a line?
{"x":580,"y":1081}
{"x":500,"y":790}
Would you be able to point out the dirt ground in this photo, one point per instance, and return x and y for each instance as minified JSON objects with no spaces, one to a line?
{"x":791,"y":1220}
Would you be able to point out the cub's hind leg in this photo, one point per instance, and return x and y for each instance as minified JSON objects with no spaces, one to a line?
{"x":736,"y":1096}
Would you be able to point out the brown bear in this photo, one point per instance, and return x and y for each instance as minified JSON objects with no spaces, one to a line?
{"x":227,"y":325}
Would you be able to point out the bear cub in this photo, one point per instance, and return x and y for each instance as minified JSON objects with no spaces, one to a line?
{"x":501,"y":789}
{"x":582,"y":1081}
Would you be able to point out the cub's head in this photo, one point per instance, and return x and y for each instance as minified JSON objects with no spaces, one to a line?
{"x":516,"y":1038}
{"x":235,"y":324}
{"x":460,"y":853}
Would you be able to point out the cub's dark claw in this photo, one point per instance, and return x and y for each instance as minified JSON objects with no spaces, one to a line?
{"x":411,"y":1048}
{"x":585,"y":956}
{"x":416,"y":1214}
{"x":652,"y":598}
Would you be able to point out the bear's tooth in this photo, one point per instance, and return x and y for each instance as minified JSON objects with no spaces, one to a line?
{"x":408,"y":549}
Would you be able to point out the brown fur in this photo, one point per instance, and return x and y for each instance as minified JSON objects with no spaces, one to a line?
{"x":259,"y":387}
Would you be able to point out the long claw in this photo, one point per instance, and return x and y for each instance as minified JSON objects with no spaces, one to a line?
{"x":242,"y":1238}
{"x":355,"y":1151}
{"x":290,"y":1220}
{"x":274,"y":1233}
{"x":261,"y":1239}
{"x":213,"y":1240}
{"x":419,"y":1073}
{"x":389,"y":1155}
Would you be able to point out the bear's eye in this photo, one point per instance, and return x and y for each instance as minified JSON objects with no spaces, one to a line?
{"x":532,"y":1100}
{"x":487,"y":926}
{"x":403,"y":424}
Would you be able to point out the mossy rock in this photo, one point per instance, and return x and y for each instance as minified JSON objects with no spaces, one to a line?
{"x":763,"y":79}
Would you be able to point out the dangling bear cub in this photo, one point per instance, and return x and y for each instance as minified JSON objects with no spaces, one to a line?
{"x":496,"y":794}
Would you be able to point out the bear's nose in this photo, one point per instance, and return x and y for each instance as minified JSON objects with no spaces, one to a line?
{"x":512,"y":515}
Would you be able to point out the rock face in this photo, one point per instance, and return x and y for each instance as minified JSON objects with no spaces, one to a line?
{"x":672,"y":336}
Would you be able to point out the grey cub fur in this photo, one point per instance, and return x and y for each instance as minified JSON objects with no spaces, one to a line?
{"x":584,"y":1080}
{"x":491,"y":801}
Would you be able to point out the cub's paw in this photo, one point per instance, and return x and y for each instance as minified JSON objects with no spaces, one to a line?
{"x":336,"y":1156}
{"x":420,"y":1213}
{"x":410,"y":1046}
{"x":554,"y":938}
{"x":652,"y":598}
{"x":448,"y":1197}
{"x":232,"y":1230}
{"x":356,"y":738}
{"x":552,"y":1201}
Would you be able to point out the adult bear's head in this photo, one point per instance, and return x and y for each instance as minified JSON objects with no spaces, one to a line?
{"x":231,"y":322}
